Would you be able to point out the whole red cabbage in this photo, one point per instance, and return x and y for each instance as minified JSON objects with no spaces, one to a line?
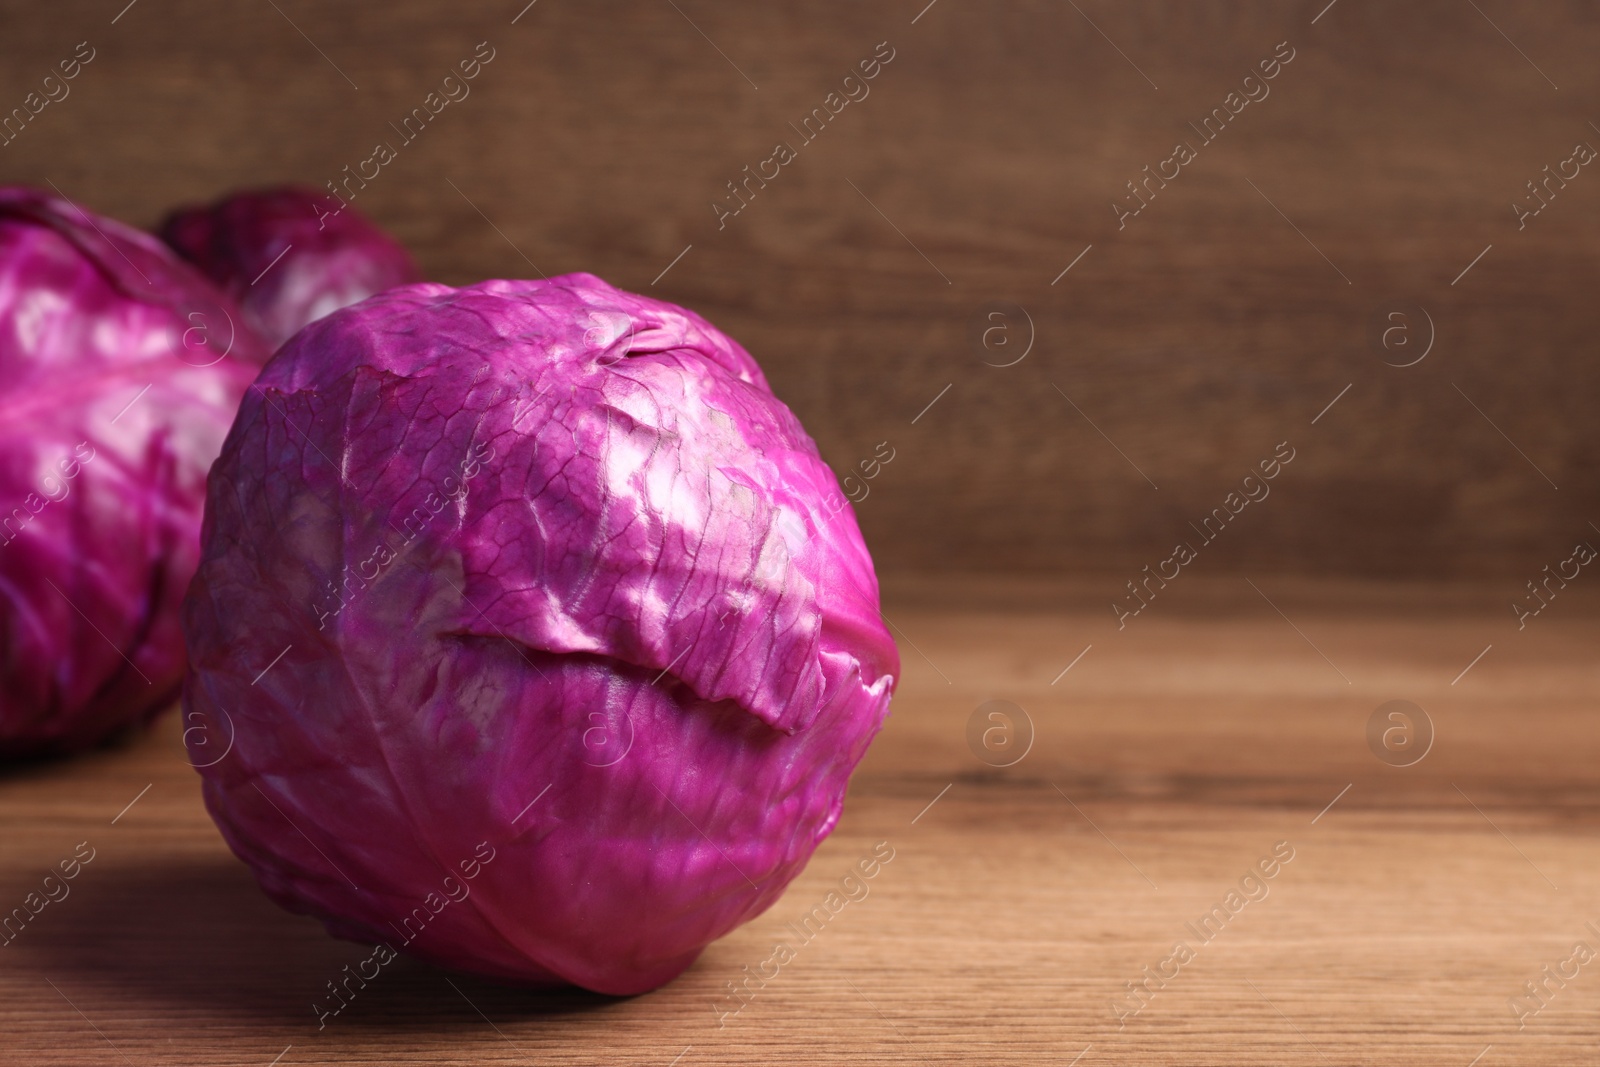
{"x":289,"y":255}
{"x":120,"y":371}
{"x":544,"y":640}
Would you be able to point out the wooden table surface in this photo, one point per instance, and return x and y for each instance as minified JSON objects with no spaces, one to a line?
{"x":1168,"y":761}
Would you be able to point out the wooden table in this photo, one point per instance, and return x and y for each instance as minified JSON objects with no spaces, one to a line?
{"x":1168,"y":761}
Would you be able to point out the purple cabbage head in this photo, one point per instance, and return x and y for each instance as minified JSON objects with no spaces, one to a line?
{"x":543,"y":640}
{"x":289,"y":255}
{"x":120,"y":371}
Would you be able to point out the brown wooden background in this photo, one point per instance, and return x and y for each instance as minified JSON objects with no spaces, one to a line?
{"x":1197,"y":338}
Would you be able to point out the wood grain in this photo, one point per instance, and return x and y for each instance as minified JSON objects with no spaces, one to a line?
{"x":1217,"y":323}
{"x":1166,"y":763}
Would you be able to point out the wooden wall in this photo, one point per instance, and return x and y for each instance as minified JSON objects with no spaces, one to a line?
{"x":1204,"y":331}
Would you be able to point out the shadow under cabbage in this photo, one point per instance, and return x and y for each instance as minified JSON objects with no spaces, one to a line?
{"x":200,"y":934}
{"x":32,"y":765}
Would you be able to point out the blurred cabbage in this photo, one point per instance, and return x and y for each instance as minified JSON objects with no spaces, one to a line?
{"x":288,"y":255}
{"x":120,"y":371}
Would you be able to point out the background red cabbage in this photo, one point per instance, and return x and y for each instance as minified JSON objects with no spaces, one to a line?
{"x":549,"y":568}
{"x":289,"y":255}
{"x":120,"y":371}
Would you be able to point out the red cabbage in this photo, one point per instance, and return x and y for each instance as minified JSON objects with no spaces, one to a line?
{"x":289,"y":255}
{"x":120,"y":370}
{"x":545,"y":641}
